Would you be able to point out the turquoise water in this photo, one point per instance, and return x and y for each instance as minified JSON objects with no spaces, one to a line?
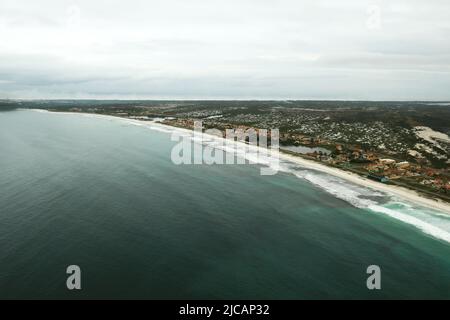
{"x":103,"y":194}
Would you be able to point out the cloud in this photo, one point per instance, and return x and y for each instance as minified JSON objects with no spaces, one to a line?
{"x":358,"y":49}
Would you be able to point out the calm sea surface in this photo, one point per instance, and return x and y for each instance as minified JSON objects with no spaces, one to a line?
{"x":103,"y":194}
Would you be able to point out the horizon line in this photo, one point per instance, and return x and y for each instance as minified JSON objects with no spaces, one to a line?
{"x":210,"y":99}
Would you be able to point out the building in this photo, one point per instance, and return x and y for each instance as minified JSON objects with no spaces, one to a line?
{"x":402,"y":165}
{"x":387,"y":161}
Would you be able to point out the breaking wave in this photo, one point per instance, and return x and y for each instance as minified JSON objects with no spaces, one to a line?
{"x":428,"y":221}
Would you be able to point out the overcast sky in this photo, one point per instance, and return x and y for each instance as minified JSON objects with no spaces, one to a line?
{"x":227,"y":49}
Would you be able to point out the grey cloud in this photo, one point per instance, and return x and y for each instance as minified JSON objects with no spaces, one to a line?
{"x":225,"y":49}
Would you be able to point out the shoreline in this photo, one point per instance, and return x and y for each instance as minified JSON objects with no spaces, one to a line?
{"x":397,"y":191}
{"x":401,"y":192}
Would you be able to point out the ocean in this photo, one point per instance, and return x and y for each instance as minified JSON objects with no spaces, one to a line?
{"x":103,"y":194}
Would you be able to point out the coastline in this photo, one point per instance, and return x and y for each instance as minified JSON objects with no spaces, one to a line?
{"x":397,"y":191}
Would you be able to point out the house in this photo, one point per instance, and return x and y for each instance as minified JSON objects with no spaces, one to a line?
{"x":402,"y":165}
{"x":387,"y":161}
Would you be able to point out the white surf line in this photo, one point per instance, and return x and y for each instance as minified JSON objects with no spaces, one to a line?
{"x":426,"y":227}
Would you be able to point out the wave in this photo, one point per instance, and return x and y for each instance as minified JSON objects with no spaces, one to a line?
{"x":428,"y":221}
{"x":426,"y":227}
